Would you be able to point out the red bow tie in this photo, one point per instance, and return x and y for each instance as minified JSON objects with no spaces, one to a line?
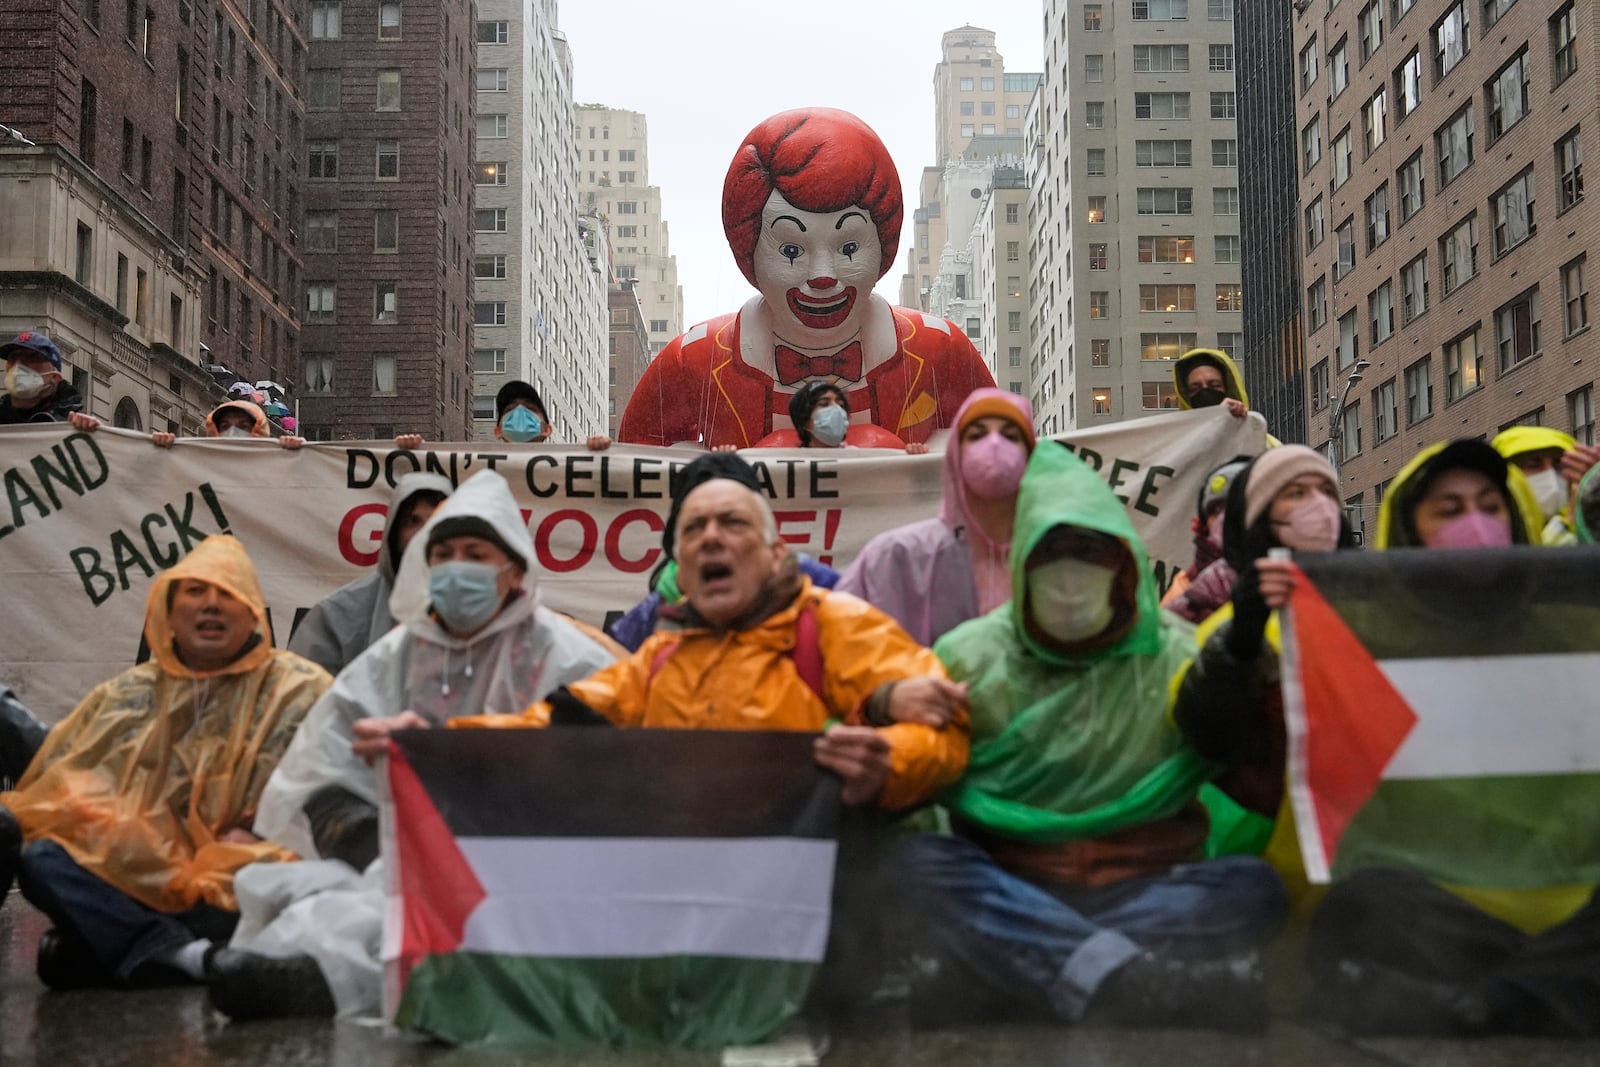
{"x":797,"y":366}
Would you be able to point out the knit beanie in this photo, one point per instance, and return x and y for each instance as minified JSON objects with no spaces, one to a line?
{"x":1276,"y":468}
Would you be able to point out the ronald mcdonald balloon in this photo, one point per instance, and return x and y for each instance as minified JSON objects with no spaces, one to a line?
{"x":812,"y":209}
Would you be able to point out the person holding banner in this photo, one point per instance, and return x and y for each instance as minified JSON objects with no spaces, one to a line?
{"x":1205,"y":378}
{"x":35,"y":390}
{"x":475,"y":639}
{"x":934,"y":574}
{"x":137,"y":809}
{"x":1074,"y":883}
{"x":521,"y":418}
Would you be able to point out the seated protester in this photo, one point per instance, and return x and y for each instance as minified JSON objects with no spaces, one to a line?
{"x":521,"y":418}
{"x":640,"y":621}
{"x":474,"y":640}
{"x":1074,"y":883}
{"x":1553,"y":463}
{"x":1205,"y":378}
{"x":35,"y":390}
{"x":820,"y":413}
{"x":1461,"y":494}
{"x":1182,"y":597}
{"x":937,"y":573}
{"x":136,"y":811}
{"x":1231,"y":706}
{"x":345,"y":622}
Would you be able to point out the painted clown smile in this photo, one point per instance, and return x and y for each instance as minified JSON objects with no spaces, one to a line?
{"x":822,"y":316}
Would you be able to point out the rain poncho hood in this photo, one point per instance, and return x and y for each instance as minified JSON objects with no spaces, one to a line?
{"x":1232,"y":380}
{"x":352,"y":617}
{"x":1395,"y":529}
{"x":260,"y":429}
{"x":154,"y":766}
{"x":1517,"y":440}
{"x":1071,"y":745}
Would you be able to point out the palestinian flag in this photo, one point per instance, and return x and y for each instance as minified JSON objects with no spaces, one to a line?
{"x":601,"y":886}
{"x":1442,"y":714}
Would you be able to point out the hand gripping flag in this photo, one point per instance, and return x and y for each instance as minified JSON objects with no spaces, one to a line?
{"x":617,"y":887}
{"x":1441,"y":709}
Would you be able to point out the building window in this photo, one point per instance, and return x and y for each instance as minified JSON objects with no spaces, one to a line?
{"x":489,"y":220}
{"x":1014,"y":356}
{"x":1094,"y":68}
{"x":1013,"y":322}
{"x":1225,"y":200}
{"x":492,"y":127}
{"x":1419,"y":390}
{"x":322,"y":89}
{"x":1174,"y":201}
{"x":1164,"y":347}
{"x":1096,"y":209}
{"x":316,"y":374}
{"x":1569,"y":165}
{"x":1316,"y":223}
{"x":492,"y":266}
{"x":492,"y":173}
{"x":1376,"y":210}
{"x":1350,"y":431}
{"x":322,"y":231}
{"x":1099,"y":304}
{"x":1013,"y":214}
{"x":325,"y":20}
{"x":1094,"y":114}
{"x":1221,"y":58}
{"x":627,"y":207}
{"x":1380,"y":312}
{"x":974,"y":327}
{"x":1385,"y":411}
{"x":1311,"y":143}
{"x":1319,"y":386}
{"x":1100,"y":352}
{"x":1458,"y":254}
{"x":1454,"y":142}
{"x":388,"y":91}
{"x":1161,"y":105}
{"x":489,"y":313}
{"x":1158,"y":249}
{"x":1316,"y":305}
{"x":1166,"y":298}
{"x":1160,"y":10}
{"x":1516,"y":327}
{"x":1159,"y":396}
{"x":1308,"y":65}
{"x":1341,"y":157}
{"x":1409,"y":181}
{"x":1101,"y":399}
{"x":1414,"y":287}
{"x":1507,"y":95}
{"x":1160,"y":58}
{"x":1450,"y":39}
{"x":496,"y":32}
{"x":385,"y":302}
{"x":1338,"y":68}
{"x":1224,"y":105}
{"x":319,"y":302}
{"x":1095,"y":163}
{"x":1563,"y":43}
{"x":1226,"y":248}
{"x":1162,"y":153}
{"x":1224,"y":152}
{"x":1344,"y":239}
{"x":1230,"y":343}
{"x":1512,"y":209}
{"x":1349,"y":344}
{"x":493,"y":79}
{"x":1097,"y":257}
{"x":966,"y":108}
{"x":1575,"y":296}
{"x":322,"y":160}
{"x":1580,"y":413}
{"x":1092,"y":17}
{"x":1375,"y":120}
{"x":1013,"y":251}
{"x":1463,"y":369}
{"x":966,"y":85}
{"x":1371,"y":20}
{"x":389,"y":20}
{"x":386,"y":231}
{"x":388,"y":153}
{"x":1230,"y":297}
{"x":1408,"y":85}
{"x":1219,"y":10}
{"x":383,"y":375}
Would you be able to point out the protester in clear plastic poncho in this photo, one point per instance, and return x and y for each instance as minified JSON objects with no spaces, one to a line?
{"x":322,"y":800}
{"x":937,"y":573}
{"x":1075,"y":880}
{"x":151,"y":785}
{"x":348,"y":620}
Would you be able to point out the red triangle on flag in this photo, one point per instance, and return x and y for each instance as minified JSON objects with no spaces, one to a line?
{"x":438,"y":887}
{"x":1355,"y":719}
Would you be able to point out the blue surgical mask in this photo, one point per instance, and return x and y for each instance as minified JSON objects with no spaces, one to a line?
{"x":465,"y":595}
{"x":521,"y":425}
{"x":829,"y":424}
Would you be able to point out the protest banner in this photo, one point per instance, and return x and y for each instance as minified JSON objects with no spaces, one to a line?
{"x":87,"y":519}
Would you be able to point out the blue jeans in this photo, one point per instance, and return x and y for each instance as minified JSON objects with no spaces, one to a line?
{"x":119,"y":931}
{"x":1055,"y":944}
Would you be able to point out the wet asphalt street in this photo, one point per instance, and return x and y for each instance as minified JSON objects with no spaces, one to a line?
{"x":176,"y":1028}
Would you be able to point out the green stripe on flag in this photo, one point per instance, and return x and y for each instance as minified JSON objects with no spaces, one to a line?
{"x":678,"y":1001}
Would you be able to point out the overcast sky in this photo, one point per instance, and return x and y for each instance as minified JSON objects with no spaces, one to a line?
{"x":704,"y":72}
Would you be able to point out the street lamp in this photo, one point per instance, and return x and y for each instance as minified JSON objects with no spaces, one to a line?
{"x":1336,"y":417}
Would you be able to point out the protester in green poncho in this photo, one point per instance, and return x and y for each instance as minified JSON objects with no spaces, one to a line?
{"x":1074,"y":882}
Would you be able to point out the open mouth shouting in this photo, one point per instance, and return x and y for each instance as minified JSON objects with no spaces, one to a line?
{"x":821,"y":314}
{"x":714,"y":574}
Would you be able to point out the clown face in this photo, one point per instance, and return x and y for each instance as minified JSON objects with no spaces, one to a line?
{"x":816,"y":271}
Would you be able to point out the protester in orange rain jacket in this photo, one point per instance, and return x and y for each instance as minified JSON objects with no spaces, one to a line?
{"x":136,"y":811}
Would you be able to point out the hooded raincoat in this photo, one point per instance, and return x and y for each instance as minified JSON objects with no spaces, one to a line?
{"x":325,"y":909}
{"x":1070,"y":747}
{"x":1560,"y":528}
{"x":935,"y":574}
{"x":142,"y":779}
{"x":1232,"y":380}
{"x":260,"y":428}
{"x":348,"y":620}
{"x":1395,"y":529}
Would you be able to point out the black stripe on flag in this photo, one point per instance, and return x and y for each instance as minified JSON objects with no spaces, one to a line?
{"x":656,"y":783}
{"x":1421,"y":603}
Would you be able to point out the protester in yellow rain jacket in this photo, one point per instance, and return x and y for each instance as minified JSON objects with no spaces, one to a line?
{"x":1553,"y":463}
{"x":136,"y":811}
{"x":1206,"y":378}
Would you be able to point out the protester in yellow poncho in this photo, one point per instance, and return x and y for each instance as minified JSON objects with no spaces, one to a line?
{"x":136,"y":811}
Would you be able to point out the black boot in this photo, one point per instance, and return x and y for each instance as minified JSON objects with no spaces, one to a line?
{"x":1369,"y":998}
{"x":1227,"y":994}
{"x":248,"y":985}
{"x":66,"y":962}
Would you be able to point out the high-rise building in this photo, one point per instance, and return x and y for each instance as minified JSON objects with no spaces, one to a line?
{"x":1269,"y":211}
{"x":613,"y":165}
{"x":542,"y":262}
{"x":629,"y":348}
{"x":1445,"y":225}
{"x":388,"y":210}
{"x":972,"y":96}
{"x":165,"y":139}
{"x":1134,"y":201}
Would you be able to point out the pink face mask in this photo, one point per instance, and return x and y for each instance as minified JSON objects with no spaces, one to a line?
{"x":1313,"y":526}
{"x":992,"y":466}
{"x":1472,"y":530}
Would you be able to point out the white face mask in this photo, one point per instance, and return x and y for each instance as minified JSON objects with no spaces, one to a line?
{"x":236,"y":431}
{"x":25,"y":383}
{"x":1071,"y":600}
{"x":1550,"y":489}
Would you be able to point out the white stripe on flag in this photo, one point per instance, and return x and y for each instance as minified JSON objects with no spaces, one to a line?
{"x":1498,"y":715}
{"x":757,"y":898}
